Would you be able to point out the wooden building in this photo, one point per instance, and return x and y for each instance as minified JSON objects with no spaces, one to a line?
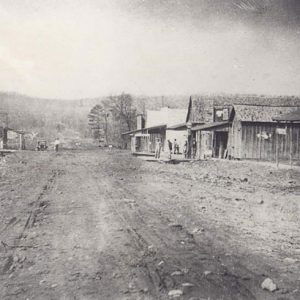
{"x":253,"y":134}
{"x":243,"y":128}
{"x":143,"y":140}
{"x":207,"y":115}
{"x":161,"y":125}
{"x":288,"y":126}
{"x":10,"y":138}
{"x":3,"y":137}
{"x":15,"y":139}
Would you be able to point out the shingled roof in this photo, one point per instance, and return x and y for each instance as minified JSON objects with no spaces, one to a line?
{"x":290,"y":117}
{"x":261,"y":113}
{"x":201,"y":106}
{"x":200,"y":111}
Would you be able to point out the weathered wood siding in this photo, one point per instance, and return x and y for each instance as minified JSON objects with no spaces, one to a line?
{"x":257,"y":146}
{"x":132,"y":144}
{"x":204,"y":141}
{"x":235,"y":140}
{"x":198,"y":142}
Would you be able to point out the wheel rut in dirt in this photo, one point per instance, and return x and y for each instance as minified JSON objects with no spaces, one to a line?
{"x":172,"y":253}
{"x":36,"y":208}
{"x":39,"y":205}
{"x":104,"y":225}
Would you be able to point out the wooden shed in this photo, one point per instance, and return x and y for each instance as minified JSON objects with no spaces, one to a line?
{"x":292,"y":123}
{"x":15,"y":139}
{"x":255,"y":135}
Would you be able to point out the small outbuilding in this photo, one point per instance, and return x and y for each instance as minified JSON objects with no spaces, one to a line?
{"x":15,"y":139}
{"x":255,"y":135}
{"x":291,"y":131}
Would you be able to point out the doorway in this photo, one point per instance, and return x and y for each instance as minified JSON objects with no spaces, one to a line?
{"x":221,"y":140}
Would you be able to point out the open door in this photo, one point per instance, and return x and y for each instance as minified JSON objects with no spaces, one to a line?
{"x":221,"y":141}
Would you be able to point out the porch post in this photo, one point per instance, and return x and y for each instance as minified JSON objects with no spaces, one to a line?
{"x":277,"y":146}
{"x":190,"y":140}
{"x":291,"y":145}
{"x":5,"y":138}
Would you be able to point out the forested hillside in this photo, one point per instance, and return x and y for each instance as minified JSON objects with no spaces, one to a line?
{"x":29,"y":113}
{"x":46,"y":116}
{"x":69,"y":119}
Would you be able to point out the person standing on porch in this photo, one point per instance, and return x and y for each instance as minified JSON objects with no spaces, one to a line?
{"x":194,"y":148}
{"x":184,"y":150}
{"x":170,"y":149}
{"x":176,"y":147}
{"x":157,"y":148}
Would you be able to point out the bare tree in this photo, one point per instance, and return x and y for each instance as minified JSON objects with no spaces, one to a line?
{"x":123,"y":109}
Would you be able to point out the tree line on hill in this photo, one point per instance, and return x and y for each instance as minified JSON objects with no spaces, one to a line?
{"x":51,"y":118}
{"x":103,"y":118}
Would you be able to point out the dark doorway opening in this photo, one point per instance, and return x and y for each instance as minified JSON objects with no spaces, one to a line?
{"x":221,"y":140}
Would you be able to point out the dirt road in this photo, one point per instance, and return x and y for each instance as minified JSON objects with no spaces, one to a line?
{"x":105,"y":225}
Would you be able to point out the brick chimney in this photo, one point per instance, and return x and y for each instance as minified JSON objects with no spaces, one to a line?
{"x":140,"y":122}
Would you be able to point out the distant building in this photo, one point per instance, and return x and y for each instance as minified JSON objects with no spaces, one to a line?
{"x":15,"y":139}
{"x":161,"y":124}
{"x":3,"y":129}
{"x":3,"y":137}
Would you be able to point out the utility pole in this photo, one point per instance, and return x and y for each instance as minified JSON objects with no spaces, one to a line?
{"x":4,"y":129}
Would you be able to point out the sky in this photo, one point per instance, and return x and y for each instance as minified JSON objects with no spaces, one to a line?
{"x":88,"y":48}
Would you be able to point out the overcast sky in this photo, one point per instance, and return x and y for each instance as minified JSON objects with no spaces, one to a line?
{"x":87,"y":48}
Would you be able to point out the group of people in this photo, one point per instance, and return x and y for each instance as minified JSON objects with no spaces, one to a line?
{"x":173,"y":148}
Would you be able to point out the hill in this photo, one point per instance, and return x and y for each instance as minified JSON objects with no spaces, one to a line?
{"x":45,"y":116}
{"x":49,"y":118}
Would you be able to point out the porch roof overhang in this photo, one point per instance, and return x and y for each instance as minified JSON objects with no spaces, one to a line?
{"x":16,"y":130}
{"x":140,"y":134}
{"x":211,"y":126}
{"x":163,"y":126}
{"x":180,"y":126}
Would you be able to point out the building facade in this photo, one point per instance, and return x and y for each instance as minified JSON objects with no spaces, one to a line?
{"x":162,"y":125}
{"x":243,"y":128}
